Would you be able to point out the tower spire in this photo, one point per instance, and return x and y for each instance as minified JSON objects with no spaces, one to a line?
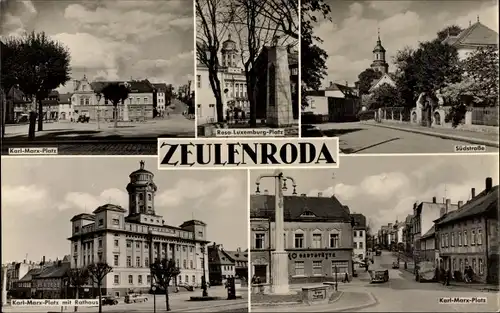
{"x":478,"y":18}
{"x":378,"y":34}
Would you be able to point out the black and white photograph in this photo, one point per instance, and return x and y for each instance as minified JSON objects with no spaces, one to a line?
{"x":247,"y":72}
{"x":379,"y":234}
{"x":136,"y":238}
{"x":96,"y":77}
{"x":397,"y":77}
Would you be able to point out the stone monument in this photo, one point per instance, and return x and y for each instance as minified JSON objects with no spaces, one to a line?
{"x":279,"y":111}
{"x":279,"y":256}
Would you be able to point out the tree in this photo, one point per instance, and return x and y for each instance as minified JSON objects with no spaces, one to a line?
{"x":7,"y":78}
{"x":384,"y":96}
{"x":366,"y":79}
{"x":452,"y":30}
{"x":39,"y":65}
{"x":78,"y":277}
{"x":97,"y":272}
{"x":313,"y":58}
{"x":213,"y":18}
{"x":116,"y":93}
{"x":162,"y":273}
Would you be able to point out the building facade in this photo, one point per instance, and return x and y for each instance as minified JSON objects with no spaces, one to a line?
{"x":318,"y":238}
{"x":469,"y":236}
{"x":65,"y":107}
{"x":359,"y":236}
{"x":223,"y":264}
{"x":129,"y":243}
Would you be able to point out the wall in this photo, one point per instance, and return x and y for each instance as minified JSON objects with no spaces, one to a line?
{"x":428,"y":216}
{"x":317,"y":105}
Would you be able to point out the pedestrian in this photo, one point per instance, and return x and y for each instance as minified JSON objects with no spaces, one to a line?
{"x":346,"y":278}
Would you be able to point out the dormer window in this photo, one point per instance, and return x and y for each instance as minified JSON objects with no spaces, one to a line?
{"x":307,"y":213}
{"x":77,"y":229}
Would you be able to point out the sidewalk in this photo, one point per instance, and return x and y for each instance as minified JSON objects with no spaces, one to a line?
{"x":480,"y":138}
{"x":475,"y":286}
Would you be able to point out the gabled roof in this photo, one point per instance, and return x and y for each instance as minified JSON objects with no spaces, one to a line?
{"x":238,"y":256}
{"x":140,"y":86}
{"x":160,"y":86}
{"x":110,"y":207}
{"x":480,"y":204}
{"x":346,"y":90}
{"x":359,"y":221}
{"x":57,"y":270}
{"x":65,"y":98}
{"x":29,"y":275}
{"x":262,"y":206}
{"x":391,"y":76}
{"x":476,"y":35}
{"x":430,"y":233}
{"x":84,"y":216}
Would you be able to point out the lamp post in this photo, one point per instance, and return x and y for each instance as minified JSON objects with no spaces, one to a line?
{"x":153,"y":288}
{"x":336,"y":280}
{"x":203,"y":278}
{"x":99,"y":96}
{"x":279,"y":256}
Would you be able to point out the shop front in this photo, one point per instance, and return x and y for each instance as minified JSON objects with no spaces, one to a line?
{"x":311,"y":266}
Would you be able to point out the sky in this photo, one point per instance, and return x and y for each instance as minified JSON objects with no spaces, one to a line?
{"x":113,"y":40}
{"x":41,"y":195}
{"x":385,"y":188}
{"x":349,"y":40}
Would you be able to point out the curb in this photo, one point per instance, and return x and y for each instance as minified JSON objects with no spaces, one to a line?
{"x":477,"y":141}
{"x":295,"y":303}
{"x":95,"y":140}
{"x":373,"y":302}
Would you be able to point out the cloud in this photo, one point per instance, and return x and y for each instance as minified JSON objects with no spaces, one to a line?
{"x":28,"y":199}
{"x":15,"y":20}
{"x":389,"y":8}
{"x":86,"y":202}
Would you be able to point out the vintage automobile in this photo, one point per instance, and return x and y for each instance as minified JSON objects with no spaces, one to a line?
{"x":395,"y":265}
{"x":134,"y":298}
{"x":109,"y":300}
{"x":425,"y":271}
{"x":83,"y":119}
{"x":379,"y":275}
{"x":378,"y":252}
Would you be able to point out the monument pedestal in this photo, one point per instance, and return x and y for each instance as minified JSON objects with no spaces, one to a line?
{"x":125,"y":112}
{"x":279,"y":273}
{"x":279,"y":111}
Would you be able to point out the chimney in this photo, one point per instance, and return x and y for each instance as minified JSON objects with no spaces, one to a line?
{"x":320,"y":194}
{"x":434,"y":200}
{"x":489,"y":183}
{"x":303,"y":195}
{"x":331,"y":84}
{"x":447,"y":206}
{"x":473,"y":193}
{"x":266,"y":192}
{"x":460,"y":203}
{"x":346,"y":83}
{"x":442,"y":211}
{"x":239,"y":249}
{"x":43,"y":259}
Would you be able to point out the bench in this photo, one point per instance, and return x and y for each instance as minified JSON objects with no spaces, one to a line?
{"x":317,"y":294}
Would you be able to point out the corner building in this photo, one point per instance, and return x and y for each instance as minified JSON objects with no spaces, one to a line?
{"x":318,"y":238}
{"x":130,"y":242}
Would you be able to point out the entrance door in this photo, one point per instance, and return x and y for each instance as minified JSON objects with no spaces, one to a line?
{"x":261,"y":272}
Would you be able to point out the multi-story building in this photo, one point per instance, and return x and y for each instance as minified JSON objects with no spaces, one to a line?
{"x":407,"y":235}
{"x":359,"y":235}
{"x":223,"y":264}
{"x":130,"y":242}
{"x":232,"y":83}
{"x":16,"y":271}
{"x":468,"y":236}
{"x":65,"y":107}
{"x":51,"y":281}
{"x":424,"y":215}
{"x":161,"y":91}
{"x":318,"y":237}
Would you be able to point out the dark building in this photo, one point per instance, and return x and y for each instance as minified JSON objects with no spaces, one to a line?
{"x":469,"y":235}
{"x":318,"y":238}
{"x":51,"y":282}
{"x":223,"y":264}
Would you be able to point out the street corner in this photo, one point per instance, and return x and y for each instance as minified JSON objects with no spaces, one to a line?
{"x":353,"y":301}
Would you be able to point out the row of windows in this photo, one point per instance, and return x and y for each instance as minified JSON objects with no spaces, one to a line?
{"x":358,"y":245}
{"x":299,"y":241}
{"x":358,"y":233}
{"x":317,"y":267}
{"x":116,"y":279}
{"x":477,"y":266}
{"x":86,"y":100}
{"x":461,"y":238}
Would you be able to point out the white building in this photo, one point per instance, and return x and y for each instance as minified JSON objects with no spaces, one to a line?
{"x":233,"y":84}
{"x":130,"y":242}
{"x":161,"y":100}
{"x":359,"y":236}
{"x":65,"y":107}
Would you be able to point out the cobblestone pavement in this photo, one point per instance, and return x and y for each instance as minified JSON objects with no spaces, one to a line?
{"x":95,"y":148}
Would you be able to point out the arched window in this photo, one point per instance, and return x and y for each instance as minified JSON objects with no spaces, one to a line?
{"x":149,"y":197}
{"x":141,"y":197}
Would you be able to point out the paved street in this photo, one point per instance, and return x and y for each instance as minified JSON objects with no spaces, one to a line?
{"x":364,"y":138}
{"x":400,"y":294}
{"x":178,"y":303}
{"x":88,"y":138}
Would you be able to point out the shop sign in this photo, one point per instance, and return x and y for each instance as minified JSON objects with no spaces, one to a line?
{"x":310,"y":255}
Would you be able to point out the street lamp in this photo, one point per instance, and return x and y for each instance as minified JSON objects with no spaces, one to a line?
{"x":336,"y":280}
{"x":99,"y":96}
{"x":279,"y":256}
{"x":203,"y":278}
{"x":153,"y":288}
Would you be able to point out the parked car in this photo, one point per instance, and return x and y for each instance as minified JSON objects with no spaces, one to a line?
{"x":134,"y":298}
{"x":378,"y":252}
{"x":395,"y":265}
{"x":379,"y":275}
{"x":83,"y":119}
{"x":109,"y":300}
{"x":425,"y":271}
{"x":311,"y":131}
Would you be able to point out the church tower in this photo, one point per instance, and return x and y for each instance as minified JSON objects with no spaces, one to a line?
{"x":379,"y":63}
{"x":141,"y":191}
{"x":229,"y":53}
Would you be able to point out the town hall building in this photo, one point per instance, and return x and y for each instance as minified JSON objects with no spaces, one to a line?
{"x":130,"y":241}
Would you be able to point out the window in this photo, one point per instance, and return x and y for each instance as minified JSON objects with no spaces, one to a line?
{"x":138,"y":245}
{"x":146,"y":262}
{"x":115,"y":260}
{"x":454,"y":265}
{"x":130,"y":279}
{"x":129,"y":244}
{"x":99,"y":256}
{"x":459,"y":239}
{"x":299,"y":268}
{"x":198,"y":81}
{"x":334,"y":240}
{"x":465,"y":237}
{"x":452,"y":239}
{"x":200,"y":234}
{"x":474,"y":268}
{"x":340,"y":267}
{"x":117,"y":279}
{"x":461,"y":264}
{"x":138,"y":261}
{"x":148,"y":279}
{"x":472,"y":237}
{"x":193,"y":279}
{"x":317,"y":241}
{"x":481,"y":266}
{"x":183,"y":263}
{"x":299,"y":240}
{"x":129,"y":261}
{"x":360,"y":245}
{"x":145,"y":100}
{"x":101,"y":222}
{"x":77,"y":229}
{"x":447,"y":240}
{"x":187,"y":278}
{"x":139,"y":279}
{"x":100,"y":243}
{"x":76,"y":247}
{"x":116,"y":221}
{"x":355,"y":233}
{"x":81,"y":101}
{"x":479,"y":237}
{"x":138,"y":100}
{"x":116,"y":243}
{"x":317,"y":268}
{"x":191,"y":264}
{"x":141,"y":196}
{"x":259,"y":241}
{"x":87,"y":101}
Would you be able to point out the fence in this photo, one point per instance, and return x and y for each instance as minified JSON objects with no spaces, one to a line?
{"x":402,"y":114}
{"x":487,"y":116}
